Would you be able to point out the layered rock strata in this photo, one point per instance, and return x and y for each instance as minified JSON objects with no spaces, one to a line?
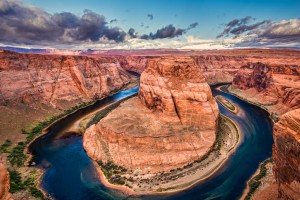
{"x":4,"y":184}
{"x":286,"y":155}
{"x":274,"y":86}
{"x":59,"y":81}
{"x":171,"y":123}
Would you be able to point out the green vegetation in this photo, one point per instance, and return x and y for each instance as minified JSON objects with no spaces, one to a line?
{"x":4,"y":148}
{"x":17,"y":156}
{"x":255,"y":182}
{"x":16,"y":184}
{"x":101,"y":114}
{"x":113,"y":173}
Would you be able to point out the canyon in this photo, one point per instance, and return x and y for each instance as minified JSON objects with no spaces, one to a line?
{"x":39,"y":86}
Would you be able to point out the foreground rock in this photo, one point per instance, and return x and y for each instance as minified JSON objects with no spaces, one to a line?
{"x":170,"y":124}
{"x":4,"y":184}
{"x":286,"y":155}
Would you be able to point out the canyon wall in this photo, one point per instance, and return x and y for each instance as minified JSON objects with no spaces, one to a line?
{"x":286,"y":155}
{"x":4,"y":184}
{"x":170,"y":124}
{"x":274,"y":86}
{"x":59,"y":81}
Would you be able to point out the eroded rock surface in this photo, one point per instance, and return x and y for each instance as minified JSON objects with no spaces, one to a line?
{"x":286,"y":155}
{"x":171,"y":123}
{"x":4,"y":184}
{"x":56,"y":80}
{"x":275,"y":86}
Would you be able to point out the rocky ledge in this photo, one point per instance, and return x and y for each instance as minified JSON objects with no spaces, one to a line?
{"x":286,"y":155}
{"x":169,"y":125}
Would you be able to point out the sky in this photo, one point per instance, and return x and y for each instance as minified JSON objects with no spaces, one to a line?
{"x":141,"y":24}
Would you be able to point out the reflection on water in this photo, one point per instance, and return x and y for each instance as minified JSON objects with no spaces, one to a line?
{"x":69,"y":173}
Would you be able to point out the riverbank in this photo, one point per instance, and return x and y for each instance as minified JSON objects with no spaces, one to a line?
{"x":236,"y":92}
{"x":228,"y":138}
{"x":262,"y":181}
{"x":262,"y":185}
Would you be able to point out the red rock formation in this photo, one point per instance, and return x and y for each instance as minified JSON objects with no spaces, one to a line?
{"x":274,"y":85}
{"x":4,"y":184}
{"x":286,"y":155}
{"x":171,"y":124}
{"x":133,"y":63}
{"x":256,"y":76}
{"x":219,"y":68}
{"x":60,"y":81}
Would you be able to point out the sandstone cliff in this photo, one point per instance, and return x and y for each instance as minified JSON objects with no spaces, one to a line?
{"x":286,"y":155}
{"x":4,"y":184}
{"x":170,"y":124}
{"x":218,"y":66}
{"x":59,"y":81}
{"x":274,"y":86}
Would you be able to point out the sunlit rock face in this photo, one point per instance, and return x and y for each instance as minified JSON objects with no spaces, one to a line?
{"x":177,"y":88}
{"x":56,"y":80}
{"x":286,"y":155}
{"x":171,"y":123}
{"x":4,"y":184}
{"x":275,"y":85}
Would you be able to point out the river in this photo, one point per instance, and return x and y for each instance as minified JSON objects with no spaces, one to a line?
{"x":70,"y":174}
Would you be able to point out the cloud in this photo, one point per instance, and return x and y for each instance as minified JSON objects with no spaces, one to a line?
{"x":150,"y":16}
{"x":132,"y":33}
{"x":168,"y":32}
{"x":20,"y":23}
{"x":113,"y":21}
{"x":264,"y":33}
{"x":193,"y":25}
{"x":239,"y":26}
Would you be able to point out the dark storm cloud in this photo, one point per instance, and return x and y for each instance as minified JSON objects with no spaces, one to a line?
{"x":30,"y":25}
{"x":65,"y":19}
{"x":168,"y":32}
{"x":150,"y":16}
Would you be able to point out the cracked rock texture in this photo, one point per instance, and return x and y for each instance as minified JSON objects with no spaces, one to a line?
{"x":170,"y":124}
{"x":286,"y":155}
{"x":56,"y":80}
{"x":276,"y":86}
